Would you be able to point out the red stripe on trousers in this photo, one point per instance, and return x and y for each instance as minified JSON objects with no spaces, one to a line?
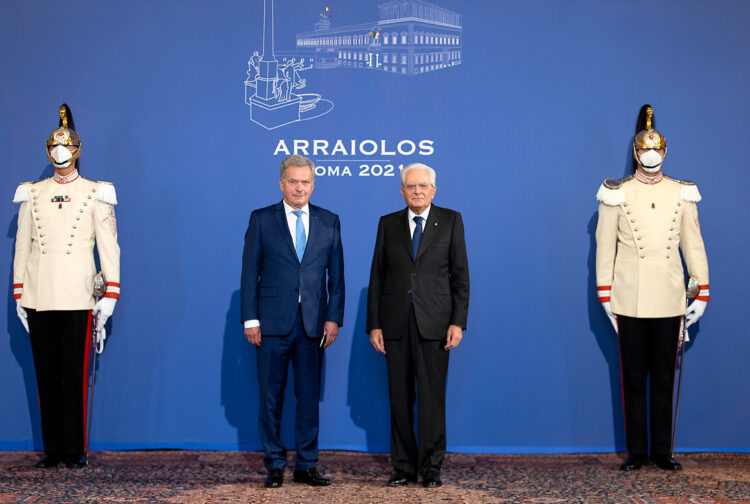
{"x":622,"y":389}
{"x":87,"y":349}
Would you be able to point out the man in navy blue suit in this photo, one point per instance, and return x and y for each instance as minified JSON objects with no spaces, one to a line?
{"x":292,"y":299}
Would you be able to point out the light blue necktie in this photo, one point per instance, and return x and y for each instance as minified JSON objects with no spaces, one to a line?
{"x":300,"y":238}
{"x":416,"y":238}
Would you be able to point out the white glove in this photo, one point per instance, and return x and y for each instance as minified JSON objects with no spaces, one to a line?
{"x":21,"y":311}
{"x":103,"y":310}
{"x":101,"y":337}
{"x":612,"y":316}
{"x":694,"y":312}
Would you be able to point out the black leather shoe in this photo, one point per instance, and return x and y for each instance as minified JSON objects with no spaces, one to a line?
{"x":633,"y":463}
{"x":401,"y":479}
{"x":48,"y":461}
{"x":666,"y":462}
{"x":274,"y":479}
{"x":431,"y":481}
{"x":76,"y":461}
{"x":311,"y":477}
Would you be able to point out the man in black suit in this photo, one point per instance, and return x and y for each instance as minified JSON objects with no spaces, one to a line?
{"x":417,"y":306}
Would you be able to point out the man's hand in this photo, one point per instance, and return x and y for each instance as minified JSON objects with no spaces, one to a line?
{"x":331,"y":330}
{"x":612,"y":317}
{"x":22,"y":315}
{"x":253,"y":335}
{"x":694,"y":312}
{"x":376,"y":338}
{"x":454,"y":337}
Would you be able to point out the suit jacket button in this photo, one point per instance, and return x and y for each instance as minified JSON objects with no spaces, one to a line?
{"x":409,"y":291}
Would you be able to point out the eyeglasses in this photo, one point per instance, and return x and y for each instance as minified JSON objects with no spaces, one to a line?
{"x":412,"y":187}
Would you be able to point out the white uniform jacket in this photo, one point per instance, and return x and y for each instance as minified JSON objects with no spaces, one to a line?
{"x":641,"y":227}
{"x":58,"y":225}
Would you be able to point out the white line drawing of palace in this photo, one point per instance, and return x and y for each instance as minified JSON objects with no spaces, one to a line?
{"x":411,"y":37}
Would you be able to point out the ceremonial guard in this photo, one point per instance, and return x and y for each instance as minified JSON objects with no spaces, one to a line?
{"x":60,"y":219}
{"x":644,"y":219}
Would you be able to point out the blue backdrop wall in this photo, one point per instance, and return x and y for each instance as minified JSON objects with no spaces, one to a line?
{"x":523,"y":108}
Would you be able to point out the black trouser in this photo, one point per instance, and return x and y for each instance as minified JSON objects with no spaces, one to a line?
{"x":408,"y":358}
{"x":61,"y":343}
{"x":648,"y":349}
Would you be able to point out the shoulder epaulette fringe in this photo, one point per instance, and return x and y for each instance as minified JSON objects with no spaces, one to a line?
{"x":22,"y":192}
{"x":105,"y":192}
{"x":611,"y":192}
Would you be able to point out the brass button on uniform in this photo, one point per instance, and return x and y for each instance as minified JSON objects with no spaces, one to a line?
{"x":78,"y":217}
{"x":75,"y":226}
{"x":635,"y":229}
{"x":44,"y":243}
{"x":678,"y":203}
{"x":70,"y":244}
{"x":642,"y":256}
{"x":669,"y":247}
{"x":89,"y":196}
{"x":41,"y":235}
{"x":640,"y":247}
{"x":632,"y":220}
{"x":84,"y":204}
{"x":44,"y":251}
{"x":628,"y":212}
{"x":68,"y":252}
{"x":81,"y":210}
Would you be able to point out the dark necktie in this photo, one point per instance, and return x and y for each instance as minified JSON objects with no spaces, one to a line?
{"x":416,"y":238}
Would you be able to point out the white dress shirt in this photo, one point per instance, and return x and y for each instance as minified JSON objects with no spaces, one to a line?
{"x":412,"y":224}
{"x":291,"y":220}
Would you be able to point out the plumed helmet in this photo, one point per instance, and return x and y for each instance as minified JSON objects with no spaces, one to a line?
{"x":649,"y":138}
{"x":65,"y":134}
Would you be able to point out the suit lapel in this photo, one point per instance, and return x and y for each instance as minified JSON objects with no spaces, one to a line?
{"x":402,"y":230}
{"x":430,"y":230}
{"x":284,"y":228}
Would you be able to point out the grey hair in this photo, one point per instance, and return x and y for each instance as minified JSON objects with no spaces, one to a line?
{"x":417,"y":166}
{"x":297,"y":160}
